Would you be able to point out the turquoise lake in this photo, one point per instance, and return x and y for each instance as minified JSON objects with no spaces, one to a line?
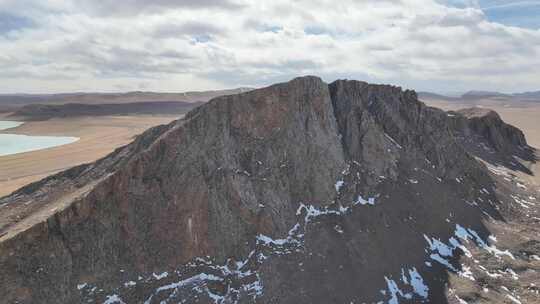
{"x":15,"y":143}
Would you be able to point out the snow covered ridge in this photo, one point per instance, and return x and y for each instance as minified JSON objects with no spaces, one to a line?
{"x":183,"y":285}
{"x":410,"y":279}
{"x":443,"y":253}
{"x":232,"y":281}
{"x":241,"y":279}
{"x":205,"y":272}
{"x":411,"y":284}
{"x":439,"y":250}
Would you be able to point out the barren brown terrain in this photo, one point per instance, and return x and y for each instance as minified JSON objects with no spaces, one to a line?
{"x":98,"y":137}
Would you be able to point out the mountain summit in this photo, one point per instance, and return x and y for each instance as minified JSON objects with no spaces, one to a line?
{"x":301,"y":192}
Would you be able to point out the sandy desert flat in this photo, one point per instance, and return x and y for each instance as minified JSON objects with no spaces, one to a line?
{"x":98,"y":137}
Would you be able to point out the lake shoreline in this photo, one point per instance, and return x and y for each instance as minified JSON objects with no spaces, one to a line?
{"x":11,"y":144}
{"x":99,"y":136}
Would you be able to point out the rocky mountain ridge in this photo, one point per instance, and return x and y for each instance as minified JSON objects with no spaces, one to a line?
{"x":301,"y":192}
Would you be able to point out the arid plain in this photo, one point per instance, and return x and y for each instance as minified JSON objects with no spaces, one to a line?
{"x":98,"y":137}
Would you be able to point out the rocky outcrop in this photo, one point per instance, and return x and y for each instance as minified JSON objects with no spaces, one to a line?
{"x":487,"y":136}
{"x":193,"y":188}
{"x":301,"y":192}
{"x":371,"y":115}
{"x":487,"y":123}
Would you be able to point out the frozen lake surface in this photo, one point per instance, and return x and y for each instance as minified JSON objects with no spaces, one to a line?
{"x":4,"y":124}
{"x":15,"y":143}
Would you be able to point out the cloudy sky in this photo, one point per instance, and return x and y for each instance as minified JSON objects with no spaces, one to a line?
{"x":178,"y":45}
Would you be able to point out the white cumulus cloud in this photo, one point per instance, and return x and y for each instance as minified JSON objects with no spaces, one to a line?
{"x":188,"y":45}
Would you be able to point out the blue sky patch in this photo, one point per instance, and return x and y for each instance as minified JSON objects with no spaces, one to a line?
{"x":521,"y":13}
{"x":516,"y":13}
{"x":9,"y":22}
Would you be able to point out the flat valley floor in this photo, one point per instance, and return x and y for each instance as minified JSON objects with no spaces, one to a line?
{"x":98,"y":137}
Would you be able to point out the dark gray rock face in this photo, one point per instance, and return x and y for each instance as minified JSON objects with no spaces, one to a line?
{"x":301,"y":192}
{"x":370,"y":115}
{"x":193,"y":188}
{"x":485,"y":135}
{"x":487,"y":123}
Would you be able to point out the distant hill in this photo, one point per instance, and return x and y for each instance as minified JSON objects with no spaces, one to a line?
{"x":431,"y":96}
{"x":45,"y":112}
{"x":482,"y":94}
{"x":533,"y":95}
{"x":473,"y":96}
{"x":19,"y":100}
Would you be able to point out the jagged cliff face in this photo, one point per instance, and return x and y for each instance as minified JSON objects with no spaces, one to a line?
{"x":301,"y":192}
{"x":483,"y":133}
